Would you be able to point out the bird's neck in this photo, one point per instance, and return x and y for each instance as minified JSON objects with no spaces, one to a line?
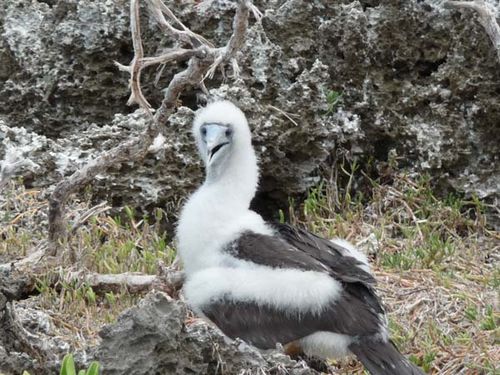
{"x":235,"y":185}
{"x":217,"y":212}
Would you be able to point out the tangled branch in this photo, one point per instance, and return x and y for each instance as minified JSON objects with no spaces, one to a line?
{"x":203,"y":58}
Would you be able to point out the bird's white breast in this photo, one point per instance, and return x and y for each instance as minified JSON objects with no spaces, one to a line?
{"x":207,"y":225}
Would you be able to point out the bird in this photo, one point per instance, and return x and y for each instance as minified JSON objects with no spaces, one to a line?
{"x":272,"y":284}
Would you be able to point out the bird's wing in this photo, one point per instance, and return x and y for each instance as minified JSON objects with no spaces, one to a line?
{"x":265,"y":326}
{"x":356,"y":312}
{"x":259,"y":325}
{"x":342,"y":265}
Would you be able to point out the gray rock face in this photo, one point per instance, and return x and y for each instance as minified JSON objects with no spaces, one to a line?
{"x":153,"y":339}
{"x":416,"y":80}
{"x":29,"y":340}
{"x":59,"y":58}
{"x":150,"y":338}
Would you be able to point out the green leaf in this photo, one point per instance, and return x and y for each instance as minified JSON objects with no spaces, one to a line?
{"x":282,"y":216}
{"x":333,"y":98}
{"x":129,"y":211}
{"x":93,"y":369}
{"x":68,"y":365}
{"x":82,"y":372}
{"x":91,"y":296}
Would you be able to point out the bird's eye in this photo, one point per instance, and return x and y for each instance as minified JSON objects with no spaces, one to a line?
{"x":229,"y":132}
{"x":203,"y":131}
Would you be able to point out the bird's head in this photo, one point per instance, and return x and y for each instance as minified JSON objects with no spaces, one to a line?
{"x":221,"y":132}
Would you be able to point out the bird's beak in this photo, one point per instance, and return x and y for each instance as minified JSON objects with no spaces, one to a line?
{"x":215,"y":139}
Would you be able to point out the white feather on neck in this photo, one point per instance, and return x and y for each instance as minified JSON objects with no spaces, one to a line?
{"x":235,"y":186}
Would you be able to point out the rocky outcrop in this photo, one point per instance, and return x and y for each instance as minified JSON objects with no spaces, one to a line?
{"x":158,"y":336}
{"x":417,"y":81}
{"x":153,"y":338}
{"x":28,"y":338}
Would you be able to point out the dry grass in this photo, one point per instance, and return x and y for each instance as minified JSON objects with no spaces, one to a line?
{"x":435,"y":259}
{"x":102,"y":244}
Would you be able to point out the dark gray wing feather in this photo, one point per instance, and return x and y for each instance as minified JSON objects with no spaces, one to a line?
{"x":264,"y":326}
{"x":297,"y":248}
{"x":273,"y":251}
{"x":383,"y":358}
{"x":345,"y":268}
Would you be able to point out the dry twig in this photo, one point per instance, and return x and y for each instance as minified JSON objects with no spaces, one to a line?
{"x":134,"y":282}
{"x":486,"y":17}
{"x":287,"y":115}
{"x":202,"y":59}
{"x":159,"y":10}
{"x":27,"y":263}
{"x":93,"y":211}
{"x":18,"y":279}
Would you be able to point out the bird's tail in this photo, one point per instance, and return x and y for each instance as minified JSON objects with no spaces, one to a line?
{"x":383,"y":358}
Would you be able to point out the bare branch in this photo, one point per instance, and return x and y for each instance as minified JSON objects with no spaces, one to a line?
{"x":257,"y":14}
{"x":235,"y":43}
{"x":18,"y":279}
{"x":201,"y":60}
{"x":158,"y":8}
{"x":486,"y":18}
{"x":27,"y":263}
{"x":199,"y":67}
{"x":240,"y":25}
{"x":170,"y":55}
{"x":133,"y":149}
{"x":136,"y":95}
{"x":189,"y":77}
{"x":93,"y":211}
{"x":132,"y":281}
{"x":288,"y":116}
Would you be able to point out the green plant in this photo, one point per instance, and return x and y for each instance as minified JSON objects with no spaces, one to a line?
{"x":425,"y":362}
{"x":68,"y":367}
{"x":471,"y":313}
{"x":332,"y":99}
{"x":489,"y":323}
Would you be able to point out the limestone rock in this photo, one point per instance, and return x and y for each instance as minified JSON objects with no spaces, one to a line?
{"x":416,"y":81}
{"x":149,"y":338}
{"x":152,"y":338}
